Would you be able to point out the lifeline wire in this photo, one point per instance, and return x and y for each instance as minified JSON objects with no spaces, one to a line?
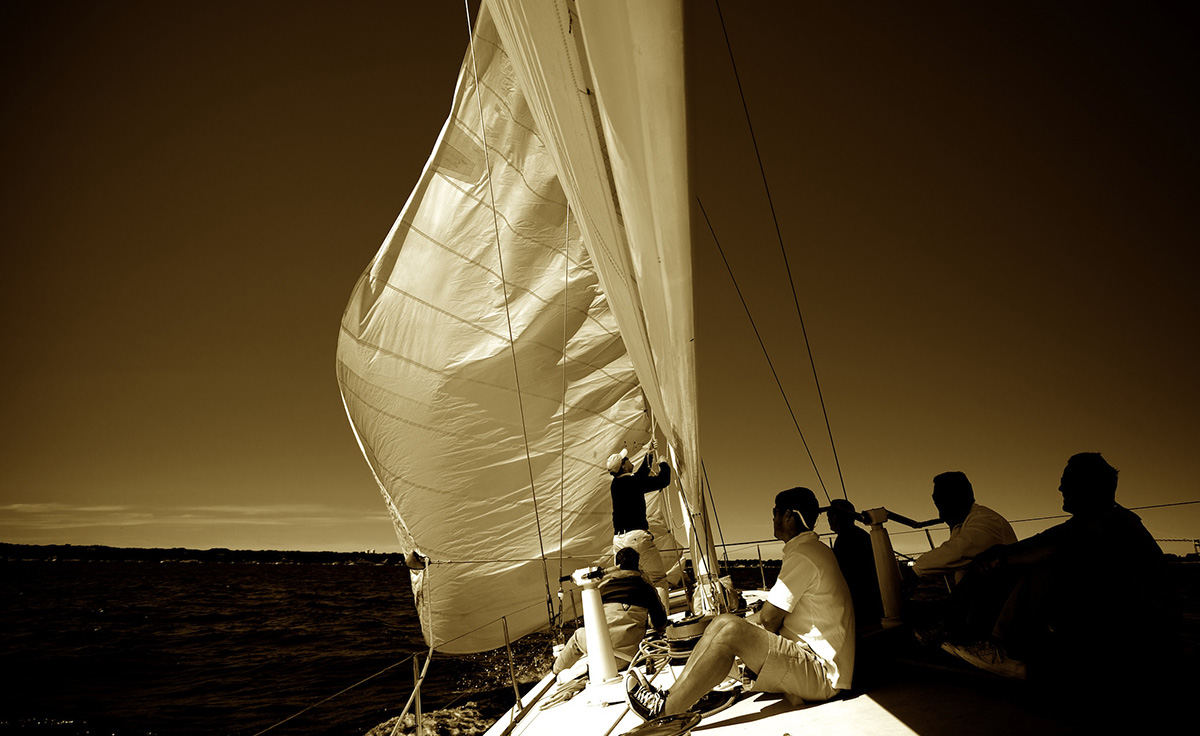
{"x":331,"y":697}
{"x":783,"y":251}
{"x":512,"y":344}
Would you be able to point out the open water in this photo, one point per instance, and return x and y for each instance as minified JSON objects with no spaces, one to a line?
{"x":134,"y":649}
{"x":141,"y":649}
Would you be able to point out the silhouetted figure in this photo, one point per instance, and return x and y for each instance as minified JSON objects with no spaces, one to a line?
{"x":800,"y":643}
{"x":1092,"y":609}
{"x":855,"y":557}
{"x":630,"y":525}
{"x":629,"y":602}
{"x":971,"y":611}
{"x":973,"y":528}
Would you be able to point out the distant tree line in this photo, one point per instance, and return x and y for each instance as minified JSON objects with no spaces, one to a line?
{"x":99,"y":553}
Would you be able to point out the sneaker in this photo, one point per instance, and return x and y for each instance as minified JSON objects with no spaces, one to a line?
{"x":988,"y":657}
{"x":930,"y":637}
{"x":644,"y":699}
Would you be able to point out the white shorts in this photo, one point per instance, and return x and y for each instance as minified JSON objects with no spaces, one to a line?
{"x":794,"y":669}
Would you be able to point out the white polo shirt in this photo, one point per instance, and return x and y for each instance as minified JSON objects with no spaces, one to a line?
{"x":820,"y":614}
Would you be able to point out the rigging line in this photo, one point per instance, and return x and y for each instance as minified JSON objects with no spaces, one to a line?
{"x":512,"y":344}
{"x":717,"y":517}
{"x":782,"y":250}
{"x":663,"y":496}
{"x":341,"y":692}
{"x":764,"y":349}
{"x":562,"y":479}
{"x":1130,"y":508}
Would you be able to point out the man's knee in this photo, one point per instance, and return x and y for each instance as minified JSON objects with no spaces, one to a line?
{"x":727,"y":629}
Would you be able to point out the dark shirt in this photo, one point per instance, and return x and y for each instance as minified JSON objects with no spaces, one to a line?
{"x":856,"y":559}
{"x":628,"y":495}
{"x":634,"y":591}
{"x":1093,"y":579}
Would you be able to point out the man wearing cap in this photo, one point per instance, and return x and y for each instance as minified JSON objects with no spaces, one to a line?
{"x":856,"y":558}
{"x":630,"y":526}
{"x":801,"y":643}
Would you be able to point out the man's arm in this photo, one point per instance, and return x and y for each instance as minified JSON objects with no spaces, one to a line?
{"x":973,"y":537}
{"x":650,"y":483}
{"x":769,"y":617}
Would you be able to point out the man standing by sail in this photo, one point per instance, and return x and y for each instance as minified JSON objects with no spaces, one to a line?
{"x":801,"y":643}
{"x":630,"y":526}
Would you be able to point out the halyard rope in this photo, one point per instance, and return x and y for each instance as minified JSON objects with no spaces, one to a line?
{"x":487,"y":160}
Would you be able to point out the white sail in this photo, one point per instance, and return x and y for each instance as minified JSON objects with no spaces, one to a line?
{"x":529,"y":296}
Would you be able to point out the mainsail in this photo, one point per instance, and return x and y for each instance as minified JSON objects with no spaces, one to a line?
{"x":530,"y":301}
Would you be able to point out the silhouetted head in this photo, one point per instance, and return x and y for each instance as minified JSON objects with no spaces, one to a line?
{"x":841,"y":515}
{"x":1089,"y":484}
{"x":628,"y":558}
{"x":795,"y":511}
{"x":953,"y":496}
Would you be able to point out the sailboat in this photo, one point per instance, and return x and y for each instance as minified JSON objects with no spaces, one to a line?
{"x":531,"y":312}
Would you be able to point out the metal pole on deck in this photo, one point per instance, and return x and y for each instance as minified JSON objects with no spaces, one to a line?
{"x":885,"y":567}
{"x":512,"y":671}
{"x":417,"y":690}
{"x":761,"y":570}
{"x":602,"y":665}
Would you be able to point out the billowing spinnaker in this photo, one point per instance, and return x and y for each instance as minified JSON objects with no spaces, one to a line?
{"x":490,"y":467}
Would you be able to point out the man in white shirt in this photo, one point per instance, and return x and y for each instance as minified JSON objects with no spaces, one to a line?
{"x":973,"y":528}
{"x":801,"y":643}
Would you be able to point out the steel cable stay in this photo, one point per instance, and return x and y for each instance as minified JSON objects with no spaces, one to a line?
{"x":716,"y":517}
{"x":783,"y":251}
{"x":508,"y":315}
{"x":762,"y":345}
{"x":343,"y":691}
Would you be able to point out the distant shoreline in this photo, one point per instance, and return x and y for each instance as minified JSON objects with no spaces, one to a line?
{"x":100,"y":553}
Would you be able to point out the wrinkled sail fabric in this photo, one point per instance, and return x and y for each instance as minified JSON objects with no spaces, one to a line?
{"x":487,"y":365}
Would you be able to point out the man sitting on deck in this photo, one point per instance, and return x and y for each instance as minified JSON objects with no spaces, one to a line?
{"x":856,"y":558}
{"x":973,"y":528}
{"x":1086,"y":594}
{"x":628,"y":602}
{"x":801,"y":643}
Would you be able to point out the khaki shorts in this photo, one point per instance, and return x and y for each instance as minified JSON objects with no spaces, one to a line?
{"x":795,"y":670}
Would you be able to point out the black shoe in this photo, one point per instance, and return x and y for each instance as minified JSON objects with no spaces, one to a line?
{"x":644,"y":699}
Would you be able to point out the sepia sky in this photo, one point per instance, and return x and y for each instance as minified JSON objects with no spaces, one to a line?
{"x":989,"y":212}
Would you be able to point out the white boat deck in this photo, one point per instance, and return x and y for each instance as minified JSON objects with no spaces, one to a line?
{"x":909,"y":700}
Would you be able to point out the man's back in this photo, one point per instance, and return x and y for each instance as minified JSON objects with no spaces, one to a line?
{"x":856,"y":559}
{"x":629,"y":601}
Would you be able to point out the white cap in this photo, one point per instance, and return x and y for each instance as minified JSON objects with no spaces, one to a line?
{"x":615,"y":460}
